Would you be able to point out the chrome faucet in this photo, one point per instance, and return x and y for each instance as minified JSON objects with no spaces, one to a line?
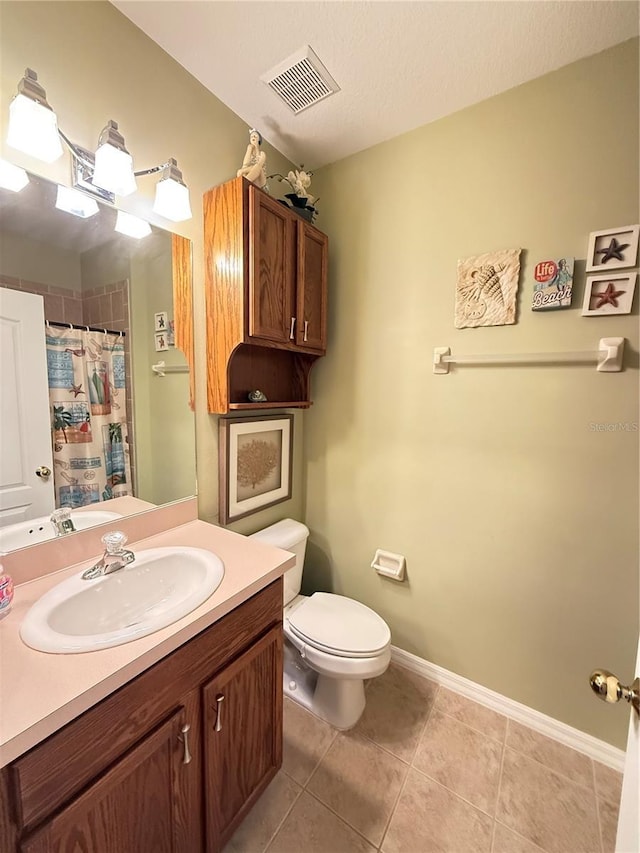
{"x":115,"y":556}
{"x":62,"y":521}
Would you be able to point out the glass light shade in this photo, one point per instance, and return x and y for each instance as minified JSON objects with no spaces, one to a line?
{"x":172,"y":200}
{"x":77,"y":203}
{"x":131,"y":225}
{"x":113,"y":170}
{"x":12,"y":177}
{"x":33,"y":129}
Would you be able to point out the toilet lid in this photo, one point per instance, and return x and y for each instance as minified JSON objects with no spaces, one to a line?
{"x":339,"y":625}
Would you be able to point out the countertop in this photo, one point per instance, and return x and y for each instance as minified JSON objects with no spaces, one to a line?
{"x":40,"y":692}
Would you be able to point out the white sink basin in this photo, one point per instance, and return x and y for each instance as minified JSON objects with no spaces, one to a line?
{"x":160,"y":587}
{"x":40,"y":529}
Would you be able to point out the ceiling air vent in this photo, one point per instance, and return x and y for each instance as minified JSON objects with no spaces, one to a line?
{"x":301,"y":80}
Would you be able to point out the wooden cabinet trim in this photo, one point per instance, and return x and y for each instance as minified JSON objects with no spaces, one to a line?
{"x":52,"y":772}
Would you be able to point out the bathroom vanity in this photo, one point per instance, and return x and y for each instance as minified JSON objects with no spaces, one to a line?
{"x":174,"y":758}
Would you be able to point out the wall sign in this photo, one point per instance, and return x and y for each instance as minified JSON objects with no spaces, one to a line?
{"x":553,"y":284}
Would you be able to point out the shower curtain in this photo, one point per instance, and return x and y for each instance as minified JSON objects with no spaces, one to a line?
{"x":87,"y":397}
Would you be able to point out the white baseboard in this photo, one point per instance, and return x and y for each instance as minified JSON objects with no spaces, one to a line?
{"x":596,"y":749}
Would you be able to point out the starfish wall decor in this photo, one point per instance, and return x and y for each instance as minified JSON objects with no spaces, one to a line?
{"x":608,"y":296}
{"x":613,"y":248}
{"x":605,"y":295}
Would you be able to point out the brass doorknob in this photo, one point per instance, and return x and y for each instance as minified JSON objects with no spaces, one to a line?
{"x":43,"y":472}
{"x":608,"y":688}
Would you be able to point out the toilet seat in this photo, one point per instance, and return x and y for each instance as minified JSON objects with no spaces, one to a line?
{"x":338,"y":626}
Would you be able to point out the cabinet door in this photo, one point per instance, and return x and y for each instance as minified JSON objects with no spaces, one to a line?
{"x":142,"y":804}
{"x":271,"y":269}
{"x":313,"y":250}
{"x":242,"y":732}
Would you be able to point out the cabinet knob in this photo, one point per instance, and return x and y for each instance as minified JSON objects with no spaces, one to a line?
{"x":292,"y":328}
{"x":218,"y":725}
{"x":306,"y":329}
{"x":186,"y":728}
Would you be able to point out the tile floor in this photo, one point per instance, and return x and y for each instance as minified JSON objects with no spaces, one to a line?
{"x":428,"y":771}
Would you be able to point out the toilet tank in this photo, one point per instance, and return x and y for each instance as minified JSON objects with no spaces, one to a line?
{"x":291,"y":536}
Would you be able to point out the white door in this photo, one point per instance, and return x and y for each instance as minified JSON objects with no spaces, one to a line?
{"x":628,"y":840}
{"x":25,"y":423}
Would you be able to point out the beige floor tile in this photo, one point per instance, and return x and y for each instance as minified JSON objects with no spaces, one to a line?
{"x":608,"y":783}
{"x":477,"y":716}
{"x":306,"y":739}
{"x":312,"y":828}
{"x":360,"y":782}
{"x":257,"y":829}
{"x":462,"y":759}
{"x":608,"y":813}
{"x":552,"y":754}
{"x":398,"y":704}
{"x":506,"y":841}
{"x":430,"y":818}
{"x":546,"y":808}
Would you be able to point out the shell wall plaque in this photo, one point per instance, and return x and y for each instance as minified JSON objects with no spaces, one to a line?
{"x":486,"y":289}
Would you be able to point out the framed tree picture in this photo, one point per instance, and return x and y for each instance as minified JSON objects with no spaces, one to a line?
{"x":255,"y":464}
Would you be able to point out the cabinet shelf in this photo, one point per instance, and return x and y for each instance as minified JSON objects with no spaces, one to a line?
{"x":296,"y":404}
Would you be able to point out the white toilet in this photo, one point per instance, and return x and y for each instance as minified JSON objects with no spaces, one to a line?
{"x":332,"y":643}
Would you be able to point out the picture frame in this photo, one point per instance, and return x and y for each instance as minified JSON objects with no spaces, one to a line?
{"x":255,"y":464}
{"x":160,"y":321}
{"x":161,"y":341}
{"x":613,"y":249}
{"x":618,"y":289}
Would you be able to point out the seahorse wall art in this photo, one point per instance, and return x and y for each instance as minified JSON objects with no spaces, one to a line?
{"x":486,"y":289}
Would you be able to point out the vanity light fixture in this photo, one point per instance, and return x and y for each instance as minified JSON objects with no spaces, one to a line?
{"x":33,"y":128}
{"x":12,"y":177}
{"x":172,"y":194}
{"x":113,"y":165}
{"x":131,"y":225}
{"x":75,"y":202}
{"x":33,"y":125}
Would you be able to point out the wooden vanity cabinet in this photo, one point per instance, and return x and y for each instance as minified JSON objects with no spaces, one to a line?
{"x":139,"y":805}
{"x":242,"y":733}
{"x":121,"y":778}
{"x":266,"y":292}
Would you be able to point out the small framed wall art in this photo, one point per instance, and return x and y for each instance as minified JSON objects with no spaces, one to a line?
{"x":609,"y":294}
{"x":160,"y":321}
{"x":486,"y":289}
{"x":255,"y":464}
{"x":613,"y":249}
{"x":162,"y":343}
{"x":553,"y":284}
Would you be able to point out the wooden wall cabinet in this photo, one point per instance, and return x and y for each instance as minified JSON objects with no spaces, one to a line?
{"x":172,"y":761}
{"x":266,"y":293}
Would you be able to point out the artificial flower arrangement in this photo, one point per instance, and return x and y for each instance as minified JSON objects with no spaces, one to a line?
{"x":299,"y":199}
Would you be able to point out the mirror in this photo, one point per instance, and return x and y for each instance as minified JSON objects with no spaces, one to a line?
{"x":91,"y":276}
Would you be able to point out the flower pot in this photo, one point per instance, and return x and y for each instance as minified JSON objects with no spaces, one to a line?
{"x":296,"y":200}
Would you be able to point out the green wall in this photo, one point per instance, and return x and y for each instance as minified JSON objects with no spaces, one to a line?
{"x":518,"y":520}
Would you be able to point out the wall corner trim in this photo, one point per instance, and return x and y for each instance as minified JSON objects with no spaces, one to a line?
{"x":596,"y":749}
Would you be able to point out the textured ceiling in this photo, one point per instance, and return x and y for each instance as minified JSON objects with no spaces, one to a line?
{"x":399,"y":64}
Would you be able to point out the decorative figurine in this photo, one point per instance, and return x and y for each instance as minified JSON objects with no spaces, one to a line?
{"x":254,"y":163}
{"x":257,"y":396}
